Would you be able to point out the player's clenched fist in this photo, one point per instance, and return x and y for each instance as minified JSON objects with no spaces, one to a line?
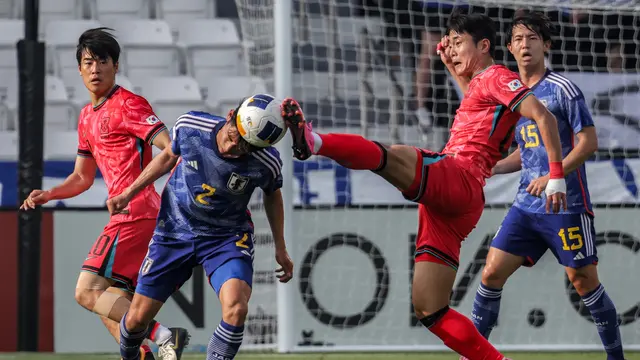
{"x":37,"y":197}
{"x":444,"y":50}
{"x":118,"y":204}
{"x":285,"y":271}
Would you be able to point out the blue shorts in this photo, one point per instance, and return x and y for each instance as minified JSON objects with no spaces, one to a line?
{"x":570,"y":237}
{"x":169,"y":263}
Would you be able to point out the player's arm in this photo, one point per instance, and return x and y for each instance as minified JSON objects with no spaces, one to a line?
{"x":508,"y":165}
{"x":162,"y":140}
{"x":556,"y":188}
{"x":159,"y":166}
{"x":586,"y":146}
{"x":80,"y":180}
{"x":274,"y":207}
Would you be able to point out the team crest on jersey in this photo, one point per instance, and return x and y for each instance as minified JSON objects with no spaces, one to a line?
{"x":515,"y":85}
{"x":104,"y":125}
{"x":237,"y":183}
{"x":152,"y":120}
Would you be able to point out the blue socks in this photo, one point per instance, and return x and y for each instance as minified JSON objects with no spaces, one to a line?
{"x":130,"y":342}
{"x":606,"y":319}
{"x":486,"y":307}
{"x":225,"y":342}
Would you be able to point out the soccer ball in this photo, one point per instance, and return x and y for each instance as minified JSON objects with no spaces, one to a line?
{"x":260,"y":121}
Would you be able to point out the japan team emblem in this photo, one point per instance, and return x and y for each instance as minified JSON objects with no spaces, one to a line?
{"x":515,"y":85}
{"x":237,"y":183}
{"x":152,"y":120}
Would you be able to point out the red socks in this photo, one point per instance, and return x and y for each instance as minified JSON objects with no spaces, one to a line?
{"x":460,"y":335}
{"x":351,"y":151}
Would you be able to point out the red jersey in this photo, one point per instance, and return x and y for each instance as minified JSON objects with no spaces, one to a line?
{"x":484,"y":125}
{"x":118,"y":134}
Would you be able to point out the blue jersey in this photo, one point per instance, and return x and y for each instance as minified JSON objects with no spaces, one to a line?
{"x":207,"y":195}
{"x":566,"y":102}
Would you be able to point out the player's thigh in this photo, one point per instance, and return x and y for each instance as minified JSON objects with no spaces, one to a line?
{"x":499,"y":266}
{"x":571,"y":238}
{"x":228,"y":257}
{"x":168,"y":265}
{"x":401,"y":166}
{"x":119,"y":250}
{"x":89,"y":287}
{"x":517,"y":236}
{"x":431,"y":288}
{"x":440,"y":236}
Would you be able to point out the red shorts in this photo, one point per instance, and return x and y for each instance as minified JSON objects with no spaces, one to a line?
{"x":119,"y":252}
{"x":450,"y":204}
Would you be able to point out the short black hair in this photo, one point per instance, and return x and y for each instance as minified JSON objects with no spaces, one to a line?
{"x":99,"y":43}
{"x":479,"y":26}
{"x":535,"y":21}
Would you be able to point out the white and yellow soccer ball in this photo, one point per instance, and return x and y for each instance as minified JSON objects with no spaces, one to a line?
{"x":259,"y":120}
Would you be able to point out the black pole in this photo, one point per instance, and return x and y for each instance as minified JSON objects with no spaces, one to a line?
{"x":31,"y":67}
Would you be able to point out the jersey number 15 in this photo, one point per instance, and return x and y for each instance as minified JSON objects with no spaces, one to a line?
{"x":530,"y":136}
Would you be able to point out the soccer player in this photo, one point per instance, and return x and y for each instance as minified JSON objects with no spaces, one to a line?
{"x":204,"y":220}
{"x":448,"y":185}
{"x":115,"y":134}
{"x":527,"y":232}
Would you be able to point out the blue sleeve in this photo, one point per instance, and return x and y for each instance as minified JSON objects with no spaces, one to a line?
{"x":274,"y":169}
{"x":577,"y":113}
{"x":175,"y":141}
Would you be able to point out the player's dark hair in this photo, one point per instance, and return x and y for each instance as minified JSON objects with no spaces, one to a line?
{"x":535,"y":21}
{"x":99,"y":43}
{"x":479,"y":26}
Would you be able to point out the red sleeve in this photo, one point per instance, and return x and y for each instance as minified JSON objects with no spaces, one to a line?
{"x":140,"y":120}
{"x":83,"y":145}
{"x":506,"y":88}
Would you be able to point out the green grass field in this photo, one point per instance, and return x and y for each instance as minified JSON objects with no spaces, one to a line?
{"x":345,"y":356}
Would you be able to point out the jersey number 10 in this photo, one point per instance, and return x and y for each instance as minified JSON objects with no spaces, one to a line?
{"x":530,"y":136}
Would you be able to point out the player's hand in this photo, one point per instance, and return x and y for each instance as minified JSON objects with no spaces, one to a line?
{"x":556,"y":195}
{"x":285,"y":271}
{"x":444,"y":50}
{"x":537,"y":186}
{"x":37,"y":197}
{"x":118,"y":204}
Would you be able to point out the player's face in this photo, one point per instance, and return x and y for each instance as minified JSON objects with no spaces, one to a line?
{"x":527,"y":47}
{"x":230,"y":142}
{"x":466,"y":54}
{"x":99,"y":75}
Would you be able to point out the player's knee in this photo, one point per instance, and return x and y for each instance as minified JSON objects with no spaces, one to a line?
{"x":87,"y":298}
{"x":235,"y":312}
{"x":493,"y":277}
{"x":135,"y":320}
{"x":584,"y":280}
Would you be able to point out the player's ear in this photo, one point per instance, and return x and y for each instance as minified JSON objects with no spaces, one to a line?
{"x":509,"y":47}
{"x":484,"y":45}
{"x":116,"y":66}
{"x":547,"y":46}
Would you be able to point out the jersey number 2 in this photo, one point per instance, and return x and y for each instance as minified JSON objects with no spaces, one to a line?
{"x":208,"y":192}
{"x":530,"y":136}
{"x":574,"y":237}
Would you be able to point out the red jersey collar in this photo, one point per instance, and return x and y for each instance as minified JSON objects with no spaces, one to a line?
{"x":113,"y":91}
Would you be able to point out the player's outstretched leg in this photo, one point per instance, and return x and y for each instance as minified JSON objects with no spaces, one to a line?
{"x":232,"y":283}
{"x":595,"y":298}
{"x":396,"y":164}
{"x":432,"y":284}
{"x":500,"y":265}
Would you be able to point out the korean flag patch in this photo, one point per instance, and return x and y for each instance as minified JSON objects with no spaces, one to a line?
{"x":515,"y":85}
{"x":152,"y":120}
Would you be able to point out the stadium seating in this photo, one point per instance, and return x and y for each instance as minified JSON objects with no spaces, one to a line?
{"x":208,"y":55}
{"x":109,"y":12}
{"x":176,"y":12}
{"x":149,"y":48}
{"x":62,"y":38}
{"x":59,"y":114}
{"x":224,"y":92}
{"x":52,"y":10}
{"x":10,"y":32}
{"x":172,"y":96}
